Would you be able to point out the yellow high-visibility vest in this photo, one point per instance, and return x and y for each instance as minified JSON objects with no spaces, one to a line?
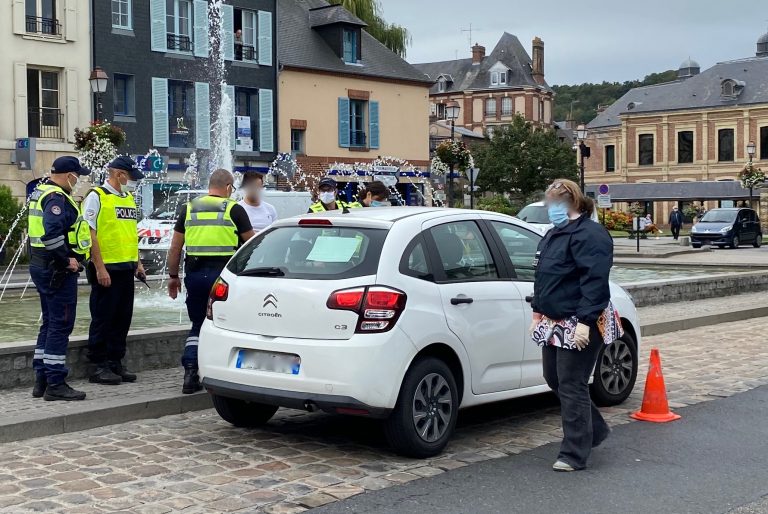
{"x":116,"y":228}
{"x":209,"y":228}
{"x":79,"y":234}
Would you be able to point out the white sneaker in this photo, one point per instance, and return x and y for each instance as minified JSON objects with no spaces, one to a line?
{"x":562,"y":466}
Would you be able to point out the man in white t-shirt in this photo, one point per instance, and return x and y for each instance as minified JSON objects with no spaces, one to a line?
{"x":259,"y":212}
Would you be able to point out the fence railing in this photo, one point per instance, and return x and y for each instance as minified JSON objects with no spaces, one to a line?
{"x":179,"y":42}
{"x":46,"y":123}
{"x":357,"y":138}
{"x":40,"y":25}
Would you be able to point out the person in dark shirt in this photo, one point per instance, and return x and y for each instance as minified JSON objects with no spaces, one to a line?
{"x":212,"y":227}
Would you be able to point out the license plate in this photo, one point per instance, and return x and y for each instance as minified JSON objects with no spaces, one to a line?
{"x":287,"y":363}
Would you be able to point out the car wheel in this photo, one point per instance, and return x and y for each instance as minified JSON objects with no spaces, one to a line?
{"x":735,"y":242}
{"x":758,"y":241}
{"x":424,"y":418}
{"x":696,"y":245}
{"x":242,"y":413}
{"x":615,"y":372}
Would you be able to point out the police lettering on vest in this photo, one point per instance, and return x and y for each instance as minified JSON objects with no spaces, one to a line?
{"x":117,"y":228}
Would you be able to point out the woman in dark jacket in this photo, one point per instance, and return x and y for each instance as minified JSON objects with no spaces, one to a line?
{"x":571,"y":292}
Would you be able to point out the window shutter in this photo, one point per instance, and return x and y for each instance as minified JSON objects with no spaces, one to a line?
{"x":202,"y":116}
{"x":265,"y":38}
{"x":373,"y":124}
{"x":19,"y":17}
{"x":70,"y":20}
{"x":228,"y":26}
{"x":266,"y":125}
{"x":72,"y":114}
{"x":157,"y":26}
{"x":160,"y":135}
{"x":20,"y":99}
{"x":201,"y":28}
{"x":229,"y":91}
{"x":344,"y":122}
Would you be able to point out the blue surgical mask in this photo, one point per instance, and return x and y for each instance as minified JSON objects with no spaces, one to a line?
{"x":376,"y":203}
{"x":558,"y":214}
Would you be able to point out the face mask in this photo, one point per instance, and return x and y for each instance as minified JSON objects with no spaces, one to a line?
{"x":131,"y":185}
{"x":376,"y":203}
{"x":327,"y":197}
{"x":558,"y":214}
{"x":72,"y":184}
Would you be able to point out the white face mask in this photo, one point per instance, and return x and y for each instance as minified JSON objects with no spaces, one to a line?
{"x":131,"y":186}
{"x":327,"y":197}
{"x":72,"y":184}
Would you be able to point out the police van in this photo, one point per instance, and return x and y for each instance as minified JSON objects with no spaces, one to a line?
{"x":156,"y":230}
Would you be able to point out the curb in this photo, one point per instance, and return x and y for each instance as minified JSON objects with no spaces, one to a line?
{"x":665,"y":327}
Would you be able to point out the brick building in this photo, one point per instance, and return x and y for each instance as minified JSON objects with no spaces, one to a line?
{"x":490,"y":89}
{"x":694,"y":129}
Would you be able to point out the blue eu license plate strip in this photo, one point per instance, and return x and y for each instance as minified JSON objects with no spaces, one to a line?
{"x":286,"y":363}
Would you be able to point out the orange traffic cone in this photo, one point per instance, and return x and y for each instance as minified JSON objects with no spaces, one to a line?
{"x":655,"y":406}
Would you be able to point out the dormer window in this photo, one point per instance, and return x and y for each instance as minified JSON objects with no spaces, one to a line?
{"x":730,"y":89}
{"x":350,"y":45}
{"x":441,"y":85}
{"x":503,"y":78}
{"x":341,"y":31}
{"x":498,"y":73}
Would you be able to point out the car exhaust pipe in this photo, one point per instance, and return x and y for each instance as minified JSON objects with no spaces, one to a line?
{"x":311,"y":406}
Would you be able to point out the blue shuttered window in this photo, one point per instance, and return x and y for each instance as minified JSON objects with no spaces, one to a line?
{"x":228,"y":25}
{"x":266,"y":124}
{"x":265,"y":38}
{"x":344,"y":122}
{"x":373,"y":123}
{"x":160,"y":134}
{"x":202,"y":116}
{"x":157,"y":25}
{"x":229,"y":92}
{"x":200,"y":21}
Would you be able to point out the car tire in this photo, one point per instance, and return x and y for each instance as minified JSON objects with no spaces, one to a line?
{"x":242,"y":413}
{"x":758,"y":241}
{"x":695,"y":245}
{"x":428,"y":402}
{"x":735,"y":242}
{"x":615,"y":372}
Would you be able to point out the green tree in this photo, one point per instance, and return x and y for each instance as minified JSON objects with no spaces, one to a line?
{"x":393,"y":36}
{"x":9,"y":210}
{"x":521,"y":161}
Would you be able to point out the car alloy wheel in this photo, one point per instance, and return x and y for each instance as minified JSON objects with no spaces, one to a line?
{"x":432,"y":407}
{"x":736,"y":242}
{"x":616,"y":367}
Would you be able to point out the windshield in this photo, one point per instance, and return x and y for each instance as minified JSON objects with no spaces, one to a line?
{"x":534,"y":214}
{"x":171,"y":207}
{"x":719,"y":216}
{"x":314,"y":253}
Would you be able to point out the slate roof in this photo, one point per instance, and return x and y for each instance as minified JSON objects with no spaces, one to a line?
{"x":300,"y":46}
{"x":331,"y":14}
{"x":708,"y":190}
{"x":460,"y":130}
{"x":509,"y":51}
{"x":701,"y":91}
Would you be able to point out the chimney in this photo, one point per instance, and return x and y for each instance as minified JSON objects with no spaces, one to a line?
{"x":538,"y":60}
{"x":478,"y":54}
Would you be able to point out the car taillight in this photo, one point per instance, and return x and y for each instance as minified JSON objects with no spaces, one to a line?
{"x":315,"y":221}
{"x":219,"y":293}
{"x":378,"y":307}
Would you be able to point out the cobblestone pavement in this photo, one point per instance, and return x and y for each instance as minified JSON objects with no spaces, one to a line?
{"x":197,"y":463}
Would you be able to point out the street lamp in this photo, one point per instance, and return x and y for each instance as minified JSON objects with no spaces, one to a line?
{"x":98,"y":81}
{"x":581,"y":135}
{"x":751,"y":153}
{"x":451,"y":113}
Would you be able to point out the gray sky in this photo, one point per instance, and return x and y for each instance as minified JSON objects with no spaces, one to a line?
{"x":588,"y":40}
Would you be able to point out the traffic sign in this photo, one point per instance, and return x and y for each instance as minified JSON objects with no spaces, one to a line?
{"x":604,"y":201}
{"x":603,"y":189}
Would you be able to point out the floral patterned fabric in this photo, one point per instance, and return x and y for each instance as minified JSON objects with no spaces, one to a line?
{"x":562,"y":332}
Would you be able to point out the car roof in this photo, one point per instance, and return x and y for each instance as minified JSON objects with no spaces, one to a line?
{"x":535,"y":204}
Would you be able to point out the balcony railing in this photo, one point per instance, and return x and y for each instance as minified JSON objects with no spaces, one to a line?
{"x":245,"y":52}
{"x":179,"y":42}
{"x":46,"y":123}
{"x":47,"y":26}
{"x":357,"y":138}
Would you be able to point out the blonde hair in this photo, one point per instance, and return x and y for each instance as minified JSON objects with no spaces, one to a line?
{"x":570,"y":192}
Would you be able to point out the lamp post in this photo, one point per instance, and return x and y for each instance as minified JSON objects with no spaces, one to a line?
{"x":452,"y":113}
{"x":98,"y":81}
{"x":581,"y":135}
{"x":751,"y":153}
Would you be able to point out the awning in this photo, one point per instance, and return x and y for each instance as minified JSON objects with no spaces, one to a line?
{"x":711,"y":190}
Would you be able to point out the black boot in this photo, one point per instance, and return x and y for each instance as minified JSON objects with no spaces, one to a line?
{"x":191,"y":381}
{"x":62,"y":392}
{"x":101,"y":374}
{"x":121,"y":371}
{"x":41,"y":382}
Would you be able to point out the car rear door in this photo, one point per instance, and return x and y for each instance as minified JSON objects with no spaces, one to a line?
{"x":482,"y":310}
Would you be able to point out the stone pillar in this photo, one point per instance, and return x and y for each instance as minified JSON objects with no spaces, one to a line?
{"x":762,"y":208}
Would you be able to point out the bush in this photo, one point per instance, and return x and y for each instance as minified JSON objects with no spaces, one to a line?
{"x":617,"y":220}
{"x":9,"y":210}
{"x":499,"y":204}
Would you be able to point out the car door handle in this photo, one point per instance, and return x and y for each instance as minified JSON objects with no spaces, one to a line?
{"x":529,"y":299}
{"x":461,"y":299}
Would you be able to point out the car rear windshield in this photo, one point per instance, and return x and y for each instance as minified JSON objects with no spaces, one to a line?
{"x":313,"y":253}
{"x":717,"y":216}
{"x":534,"y":214}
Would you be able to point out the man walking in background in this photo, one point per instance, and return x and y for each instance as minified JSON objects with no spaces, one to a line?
{"x":675,"y":222}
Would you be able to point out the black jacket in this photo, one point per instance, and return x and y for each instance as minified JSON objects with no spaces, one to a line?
{"x":572,"y":268}
{"x":676,"y":219}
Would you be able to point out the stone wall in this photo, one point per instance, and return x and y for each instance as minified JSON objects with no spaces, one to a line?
{"x":147,"y":349}
{"x":656,"y":292}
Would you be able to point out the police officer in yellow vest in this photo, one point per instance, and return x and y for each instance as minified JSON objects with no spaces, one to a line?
{"x":110,"y":211}
{"x":59,"y":241}
{"x":212,"y":227}
{"x":327,"y":198}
